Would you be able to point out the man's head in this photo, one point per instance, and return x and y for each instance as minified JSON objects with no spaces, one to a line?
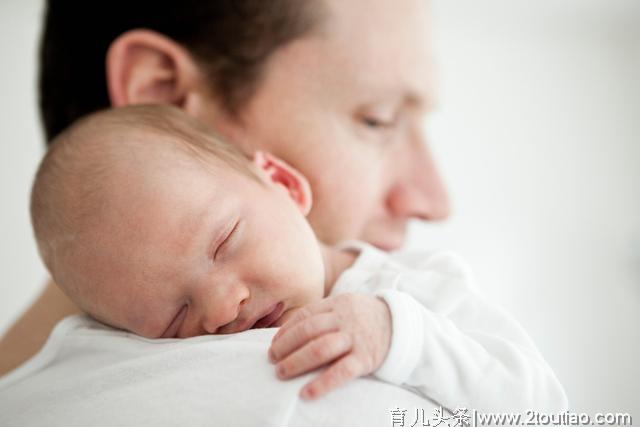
{"x":231,"y":40}
{"x":152,"y":224}
{"x":336,"y":88}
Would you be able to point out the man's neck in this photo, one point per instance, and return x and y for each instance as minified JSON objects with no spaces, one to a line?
{"x":336,"y":261}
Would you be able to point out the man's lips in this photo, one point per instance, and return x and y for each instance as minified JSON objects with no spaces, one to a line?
{"x":271,"y":317}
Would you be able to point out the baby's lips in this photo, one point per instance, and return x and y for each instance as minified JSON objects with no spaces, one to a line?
{"x":271,"y":318}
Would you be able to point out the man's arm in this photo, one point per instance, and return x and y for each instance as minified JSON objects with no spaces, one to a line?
{"x":27,"y":336}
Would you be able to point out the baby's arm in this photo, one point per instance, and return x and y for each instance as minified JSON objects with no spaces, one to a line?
{"x":454,"y":346}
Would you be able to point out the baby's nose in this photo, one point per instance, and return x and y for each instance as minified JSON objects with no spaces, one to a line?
{"x":212,"y":322}
{"x":223,"y":308}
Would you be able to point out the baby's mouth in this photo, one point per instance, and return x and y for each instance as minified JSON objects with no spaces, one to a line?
{"x":271,"y":317}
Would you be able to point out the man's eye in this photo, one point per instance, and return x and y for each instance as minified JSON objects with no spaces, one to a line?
{"x":377,"y":123}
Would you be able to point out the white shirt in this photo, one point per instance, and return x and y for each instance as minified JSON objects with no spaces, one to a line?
{"x":89,"y":374}
{"x":448,"y":342}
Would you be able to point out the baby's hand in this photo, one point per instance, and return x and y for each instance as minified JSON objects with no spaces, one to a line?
{"x":351,"y":332}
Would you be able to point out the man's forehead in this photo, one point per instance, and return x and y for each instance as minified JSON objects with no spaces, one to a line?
{"x":379,"y":26}
{"x":385,"y":49}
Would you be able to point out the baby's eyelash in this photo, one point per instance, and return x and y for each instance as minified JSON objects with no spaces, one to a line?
{"x":226,"y":239}
{"x":176,"y":323}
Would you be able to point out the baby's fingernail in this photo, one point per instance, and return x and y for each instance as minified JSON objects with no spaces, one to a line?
{"x":306,"y":393}
{"x":280,"y":370}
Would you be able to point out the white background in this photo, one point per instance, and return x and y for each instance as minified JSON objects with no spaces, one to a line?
{"x":538,"y":138}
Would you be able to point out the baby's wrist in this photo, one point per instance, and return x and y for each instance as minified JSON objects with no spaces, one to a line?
{"x":385,"y":329}
{"x":406,"y":336}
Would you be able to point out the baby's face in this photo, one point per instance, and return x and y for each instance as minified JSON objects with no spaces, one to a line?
{"x":183,"y":251}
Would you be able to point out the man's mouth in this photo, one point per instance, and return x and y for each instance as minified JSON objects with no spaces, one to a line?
{"x":389,"y":240}
{"x":271,"y":317}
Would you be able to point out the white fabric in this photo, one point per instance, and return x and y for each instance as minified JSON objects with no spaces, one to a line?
{"x":449,"y":343}
{"x":406,"y":340}
{"x":91,"y":375}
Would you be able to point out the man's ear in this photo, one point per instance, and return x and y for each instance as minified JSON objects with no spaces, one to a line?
{"x":281,"y":173}
{"x":145,"y":67}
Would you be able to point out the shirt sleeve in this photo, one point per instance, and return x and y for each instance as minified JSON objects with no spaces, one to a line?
{"x":452,"y":345}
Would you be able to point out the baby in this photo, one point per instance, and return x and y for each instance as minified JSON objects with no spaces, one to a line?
{"x":151,"y":223}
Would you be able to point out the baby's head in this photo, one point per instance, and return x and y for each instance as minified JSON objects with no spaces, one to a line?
{"x":150,"y":223}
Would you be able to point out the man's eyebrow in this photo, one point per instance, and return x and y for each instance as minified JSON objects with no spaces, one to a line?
{"x":422,"y":102}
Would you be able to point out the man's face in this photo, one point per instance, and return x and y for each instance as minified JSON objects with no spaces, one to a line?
{"x":188,"y":250}
{"x":346,"y":106}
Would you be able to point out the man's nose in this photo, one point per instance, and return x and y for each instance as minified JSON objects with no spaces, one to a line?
{"x":419,"y":191}
{"x":221,"y":305}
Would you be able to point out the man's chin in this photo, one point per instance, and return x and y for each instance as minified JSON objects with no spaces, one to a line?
{"x":386,"y":246}
{"x":390,"y":243}
{"x":389,"y":239}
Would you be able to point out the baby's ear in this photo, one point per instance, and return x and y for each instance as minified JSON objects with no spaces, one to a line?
{"x":280,"y":173}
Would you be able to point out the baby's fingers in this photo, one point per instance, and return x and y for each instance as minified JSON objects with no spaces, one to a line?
{"x":302,"y":313}
{"x":300,"y":333}
{"x":341,"y":371}
{"x":314,"y":354}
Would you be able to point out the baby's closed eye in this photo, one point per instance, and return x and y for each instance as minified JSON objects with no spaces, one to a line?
{"x":174,"y":326}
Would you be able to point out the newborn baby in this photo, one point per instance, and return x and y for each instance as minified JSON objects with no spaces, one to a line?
{"x":152,"y":224}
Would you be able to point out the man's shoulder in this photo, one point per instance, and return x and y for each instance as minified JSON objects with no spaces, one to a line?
{"x":102,"y":376}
